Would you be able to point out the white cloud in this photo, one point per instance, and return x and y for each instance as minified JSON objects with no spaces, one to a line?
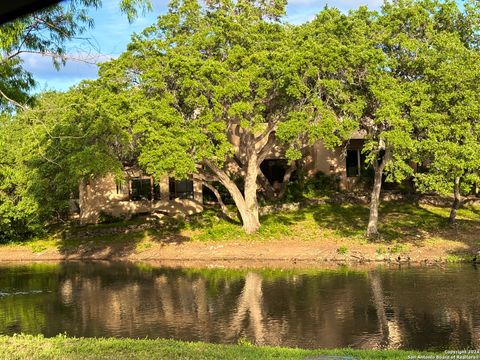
{"x":303,"y":3}
{"x":80,"y":66}
{"x":112,"y":33}
{"x":299,"y":11}
{"x":340,"y":4}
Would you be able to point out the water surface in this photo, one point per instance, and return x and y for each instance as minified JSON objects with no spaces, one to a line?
{"x":402,"y":307}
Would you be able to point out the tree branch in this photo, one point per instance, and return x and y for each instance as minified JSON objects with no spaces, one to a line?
{"x":203,"y":178}
{"x":219,"y":173}
{"x":223,"y":207}
{"x":286,"y":179}
{"x":62,"y":56}
{"x":262,"y":154}
{"x":236,"y":160}
{"x":11,"y":101}
{"x":272,"y":126}
{"x":265,"y":184}
{"x":51,"y":26}
{"x":19,"y":49}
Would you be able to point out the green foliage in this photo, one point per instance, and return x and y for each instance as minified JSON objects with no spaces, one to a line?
{"x":205,"y":89}
{"x":398,"y":248}
{"x":244,"y":342}
{"x":231,"y":83}
{"x":433,"y":50}
{"x":449,"y":137}
{"x":459,"y":258}
{"x":380,"y":250}
{"x":321,"y":184}
{"x":323,"y":55}
{"x":19,"y":211}
{"x":47,"y":151}
{"x":342,"y":250}
{"x":44,"y":32}
{"x":220,"y":69}
{"x":105,"y":218}
{"x":45,"y":147}
{"x":307,"y":187}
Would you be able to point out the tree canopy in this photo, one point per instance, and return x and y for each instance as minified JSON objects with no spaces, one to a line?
{"x":45,"y":32}
{"x":214,"y":88}
{"x":35,"y":185}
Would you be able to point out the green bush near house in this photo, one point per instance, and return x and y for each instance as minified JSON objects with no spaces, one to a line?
{"x":306,"y":187}
{"x":106,"y":218}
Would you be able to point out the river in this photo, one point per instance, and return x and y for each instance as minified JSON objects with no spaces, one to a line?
{"x":404,"y":307}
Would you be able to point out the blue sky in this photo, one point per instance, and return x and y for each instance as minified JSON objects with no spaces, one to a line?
{"x":111,"y":34}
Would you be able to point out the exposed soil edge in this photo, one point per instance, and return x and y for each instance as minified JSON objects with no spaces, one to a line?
{"x":22,"y":254}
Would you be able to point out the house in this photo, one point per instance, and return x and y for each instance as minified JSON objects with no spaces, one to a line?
{"x":345,"y":162}
{"x":138,"y":193}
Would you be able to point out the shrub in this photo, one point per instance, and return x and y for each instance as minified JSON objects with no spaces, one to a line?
{"x":106,"y":218}
{"x":303,"y":186}
{"x":342,"y":250}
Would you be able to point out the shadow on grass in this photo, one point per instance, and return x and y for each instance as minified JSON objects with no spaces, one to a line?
{"x":284,"y":218}
{"x":347,"y":220}
{"x":398,"y":221}
{"x":401,"y":220}
{"x":208,"y":218}
{"x":120,"y":239}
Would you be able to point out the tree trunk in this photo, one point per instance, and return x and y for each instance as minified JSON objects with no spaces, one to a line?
{"x":372,"y":228}
{"x":248,"y":215}
{"x":223,"y":207}
{"x":286,"y":179}
{"x":390,"y":334}
{"x":249,"y":307}
{"x":379,"y":302}
{"x":253,"y":151}
{"x":250,"y":192}
{"x":269,"y":192}
{"x":457,"y":198}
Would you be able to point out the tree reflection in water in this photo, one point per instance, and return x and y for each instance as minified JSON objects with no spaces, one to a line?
{"x":413,"y":308}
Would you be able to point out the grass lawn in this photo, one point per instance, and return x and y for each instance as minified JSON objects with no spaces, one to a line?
{"x":403,"y":226}
{"x":61,"y":347}
{"x":398,"y":221}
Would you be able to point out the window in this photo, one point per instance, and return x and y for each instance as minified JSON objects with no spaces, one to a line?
{"x":274,"y":169}
{"x":182,"y":189}
{"x":355,"y":162}
{"x":141,"y":189}
{"x":156,"y":191}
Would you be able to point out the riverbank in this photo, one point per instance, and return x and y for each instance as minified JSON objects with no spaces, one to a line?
{"x":21,"y":347}
{"x":313,"y":235}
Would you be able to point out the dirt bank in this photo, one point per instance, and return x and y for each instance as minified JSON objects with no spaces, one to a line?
{"x":313,"y":235}
{"x":304,"y":253}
